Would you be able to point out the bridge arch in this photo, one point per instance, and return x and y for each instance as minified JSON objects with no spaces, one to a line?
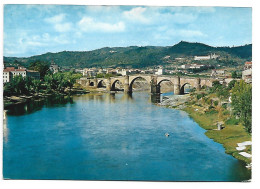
{"x":134,"y":79}
{"x":182,"y":89}
{"x":113,"y":85}
{"x":164,"y":80}
{"x":101,"y":84}
{"x":91,"y":83}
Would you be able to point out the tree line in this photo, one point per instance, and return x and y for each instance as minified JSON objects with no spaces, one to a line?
{"x":48,"y":83}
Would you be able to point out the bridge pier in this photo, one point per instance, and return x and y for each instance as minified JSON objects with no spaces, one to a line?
{"x":177,"y":86}
{"x":95,"y":82}
{"x":108,"y":85}
{"x":126,"y":85}
{"x":197,"y":84}
{"x":155,"y":89}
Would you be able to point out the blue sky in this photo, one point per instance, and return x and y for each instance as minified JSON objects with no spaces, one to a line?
{"x":37,"y":29}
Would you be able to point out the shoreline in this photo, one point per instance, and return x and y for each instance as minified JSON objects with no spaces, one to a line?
{"x":23,"y":99}
{"x":224,"y":136}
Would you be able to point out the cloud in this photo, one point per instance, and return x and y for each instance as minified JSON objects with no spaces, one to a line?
{"x":25,"y":43}
{"x":64,"y":27}
{"x":55,"y":19}
{"x":88,"y":24}
{"x":136,"y":14}
{"x":59,"y":24}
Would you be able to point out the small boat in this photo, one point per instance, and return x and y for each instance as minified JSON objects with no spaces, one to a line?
{"x":167,"y":134}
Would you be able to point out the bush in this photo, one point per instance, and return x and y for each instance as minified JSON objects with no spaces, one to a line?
{"x":215,"y":103}
{"x":199,"y":96}
{"x":208,"y":101}
{"x":224,"y":106}
{"x":226,"y":112}
{"x":232,"y":121}
{"x":212,"y":111}
{"x":211,"y":107}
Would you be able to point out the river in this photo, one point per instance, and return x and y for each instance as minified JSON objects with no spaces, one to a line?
{"x":111,"y":137}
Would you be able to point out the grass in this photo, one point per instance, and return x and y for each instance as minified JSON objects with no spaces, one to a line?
{"x":232,"y":133}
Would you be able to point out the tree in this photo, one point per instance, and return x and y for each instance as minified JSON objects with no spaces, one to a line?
{"x":36,"y":85}
{"x":231,"y":84}
{"x":242,"y":103}
{"x":41,"y":67}
{"x":234,"y":74}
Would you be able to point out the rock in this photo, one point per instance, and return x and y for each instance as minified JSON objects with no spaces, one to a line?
{"x":249,"y":166}
{"x":247,"y":155}
{"x":246,"y":143}
{"x":220,"y":126}
{"x":240,"y":148}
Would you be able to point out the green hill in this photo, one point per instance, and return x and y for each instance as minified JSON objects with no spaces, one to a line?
{"x":134,"y":56}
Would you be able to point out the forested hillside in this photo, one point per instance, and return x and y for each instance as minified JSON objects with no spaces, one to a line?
{"x":133,"y":56}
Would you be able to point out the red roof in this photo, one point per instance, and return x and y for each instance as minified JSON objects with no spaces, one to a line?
{"x":11,"y":69}
{"x":248,"y":63}
{"x":8,"y":69}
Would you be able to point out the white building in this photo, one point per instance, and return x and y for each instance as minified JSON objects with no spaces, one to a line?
{"x":215,"y":73}
{"x":54,"y":68}
{"x":10,"y":72}
{"x":124,"y":72}
{"x":247,"y":73}
{"x":208,"y":57}
{"x":160,"y":71}
{"x":185,"y":66}
{"x":87,"y":72}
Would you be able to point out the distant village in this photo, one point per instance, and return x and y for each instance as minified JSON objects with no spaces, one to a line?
{"x":183,"y":69}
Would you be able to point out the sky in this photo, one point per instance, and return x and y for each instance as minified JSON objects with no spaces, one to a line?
{"x":37,"y":29}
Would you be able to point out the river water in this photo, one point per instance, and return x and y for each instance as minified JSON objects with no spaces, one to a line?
{"x":111,"y":137}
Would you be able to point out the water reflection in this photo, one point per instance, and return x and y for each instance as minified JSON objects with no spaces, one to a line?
{"x":5,"y":130}
{"x":36,"y":105}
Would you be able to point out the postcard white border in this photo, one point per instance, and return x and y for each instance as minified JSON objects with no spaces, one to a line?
{"x":121,"y":184}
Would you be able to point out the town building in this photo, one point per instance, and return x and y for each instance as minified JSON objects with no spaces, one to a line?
{"x":54,"y":68}
{"x":248,"y":65}
{"x":124,"y":72}
{"x":208,"y":57}
{"x":88,"y":72}
{"x":247,"y":73}
{"x":10,"y":72}
{"x":160,"y":71}
{"x":215,"y":73}
{"x":33,"y":74}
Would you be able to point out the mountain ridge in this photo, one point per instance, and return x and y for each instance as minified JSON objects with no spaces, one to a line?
{"x":134,"y":56}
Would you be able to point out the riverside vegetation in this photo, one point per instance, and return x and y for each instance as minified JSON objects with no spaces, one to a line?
{"x":211,"y":106}
{"x":20,"y":89}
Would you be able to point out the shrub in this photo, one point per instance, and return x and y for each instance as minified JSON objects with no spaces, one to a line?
{"x":215,"y":103}
{"x":232,"y":121}
{"x":199,"y":96}
{"x":226,"y":112}
{"x":224,"y":106}
{"x":211,"y":107}
{"x":212,"y":111}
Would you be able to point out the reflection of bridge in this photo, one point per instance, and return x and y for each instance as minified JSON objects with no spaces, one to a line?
{"x":152,"y":80}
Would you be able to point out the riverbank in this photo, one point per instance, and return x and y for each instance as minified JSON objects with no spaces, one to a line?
{"x":217,"y":124}
{"x":22,"y":99}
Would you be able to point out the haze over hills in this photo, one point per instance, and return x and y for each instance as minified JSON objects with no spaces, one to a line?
{"x":136,"y":57}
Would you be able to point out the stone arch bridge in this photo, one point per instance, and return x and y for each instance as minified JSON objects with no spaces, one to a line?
{"x":152,"y":80}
